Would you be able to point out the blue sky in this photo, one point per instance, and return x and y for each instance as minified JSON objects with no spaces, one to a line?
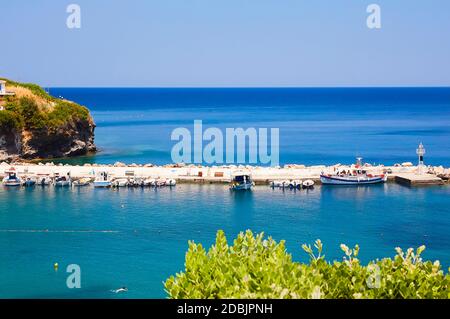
{"x":226,"y":43}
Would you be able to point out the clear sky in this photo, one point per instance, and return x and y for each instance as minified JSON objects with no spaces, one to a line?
{"x":226,"y":43}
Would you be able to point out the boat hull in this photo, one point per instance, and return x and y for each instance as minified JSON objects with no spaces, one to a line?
{"x":353,"y":180}
{"x":244,"y":186}
{"x":102,"y":184}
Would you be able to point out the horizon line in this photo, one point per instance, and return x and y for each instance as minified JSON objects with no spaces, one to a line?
{"x":250,"y":87}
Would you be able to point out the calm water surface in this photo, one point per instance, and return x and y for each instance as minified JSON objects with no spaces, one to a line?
{"x":138,"y":237}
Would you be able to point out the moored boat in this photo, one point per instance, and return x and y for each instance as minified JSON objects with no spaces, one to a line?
{"x":102,"y":180}
{"x":308,"y":184}
{"x":29,"y":182}
{"x":358,"y":179}
{"x":11,"y":178}
{"x":241,"y":181}
{"x":82,"y":182}
{"x":121,"y":182}
{"x":43,"y":180}
{"x":62,"y":181}
{"x":171,"y":182}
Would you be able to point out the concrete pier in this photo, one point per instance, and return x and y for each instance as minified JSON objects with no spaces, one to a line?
{"x":406,"y":175}
{"x":418,"y":180}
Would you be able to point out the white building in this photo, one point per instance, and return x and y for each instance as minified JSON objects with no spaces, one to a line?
{"x":2,"y":87}
{"x":3,"y":93}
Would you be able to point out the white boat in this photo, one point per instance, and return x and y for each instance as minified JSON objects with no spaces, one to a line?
{"x":102,"y":180}
{"x":82,"y":182}
{"x":171,"y":182}
{"x":241,"y":181}
{"x":295,"y":184}
{"x":121,"y":182}
{"x":150,"y":182}
{"x":11,"y":178}
{"x":161,"y":182}
{"x":308,"y":184}
{"x":43,"y":180}
{"x":62,"y":181}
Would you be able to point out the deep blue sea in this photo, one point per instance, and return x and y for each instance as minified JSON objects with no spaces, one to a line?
{"x":317,"y":126}
{"x":138,"y":237}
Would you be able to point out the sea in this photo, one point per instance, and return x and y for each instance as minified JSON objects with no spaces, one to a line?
{"x":137,"y":238}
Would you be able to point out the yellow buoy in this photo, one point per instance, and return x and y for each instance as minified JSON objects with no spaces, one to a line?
{"x":55,"y":266}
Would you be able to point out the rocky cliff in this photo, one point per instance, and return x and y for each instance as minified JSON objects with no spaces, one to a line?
{"x":35,"y":125}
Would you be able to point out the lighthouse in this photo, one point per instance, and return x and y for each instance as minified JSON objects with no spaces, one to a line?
{"x":420,"y":152}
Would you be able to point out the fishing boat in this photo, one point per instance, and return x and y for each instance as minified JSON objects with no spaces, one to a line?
{"x":358,"y":176}
{"x":357,"y":179}
{"x":82,"y":182}
{"x":11,"y":179}
{"x":102,"y":180}
{"x":241,"y":181}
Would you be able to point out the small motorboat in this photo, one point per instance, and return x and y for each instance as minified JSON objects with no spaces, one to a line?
{"x":82,"y":182}
{"x":11,"y":179}
{"x":241,"y":181}
{"x":274,"y":184}
{"x":62,"y":181}
{"x":102,"y":180}
{"x":43,"y":180}
{"x":295,"y":184}
{"x":308,"y":184}
{"x":160,"y":182}
{"x":171,"y":182}
{"x":29,"y":182}
{"x":149,"y":182}
{"x":121,"y":182}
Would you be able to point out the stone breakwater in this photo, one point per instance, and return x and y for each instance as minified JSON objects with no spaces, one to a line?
{"x":222,"y":174}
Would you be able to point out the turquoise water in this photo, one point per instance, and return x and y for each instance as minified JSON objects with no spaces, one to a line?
{"x":138,"y":237}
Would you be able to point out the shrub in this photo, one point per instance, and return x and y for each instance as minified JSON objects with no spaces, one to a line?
{"x":9,"y":120}
{"x":255,"y":267}
{"x":32,"y":116}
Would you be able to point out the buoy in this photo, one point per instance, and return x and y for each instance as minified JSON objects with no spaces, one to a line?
{"x":55,"y":265}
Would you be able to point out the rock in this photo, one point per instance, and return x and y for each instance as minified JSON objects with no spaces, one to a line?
{"x":119,"y":164}
{"x":148,"y":165}
{"x":407,"y":164}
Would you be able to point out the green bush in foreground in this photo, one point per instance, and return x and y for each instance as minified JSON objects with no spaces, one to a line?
{"x":255,"y":267}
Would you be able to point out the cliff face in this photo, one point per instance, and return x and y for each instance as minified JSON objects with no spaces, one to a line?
{"x":34,"y":125}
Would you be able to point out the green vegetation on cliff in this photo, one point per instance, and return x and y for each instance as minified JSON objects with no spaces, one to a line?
{"x":38,"y":110}
{"x":256,"y":267}
{"x":34,"y":124}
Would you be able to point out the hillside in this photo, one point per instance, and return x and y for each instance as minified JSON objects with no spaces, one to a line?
{"x":34,"y":124}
